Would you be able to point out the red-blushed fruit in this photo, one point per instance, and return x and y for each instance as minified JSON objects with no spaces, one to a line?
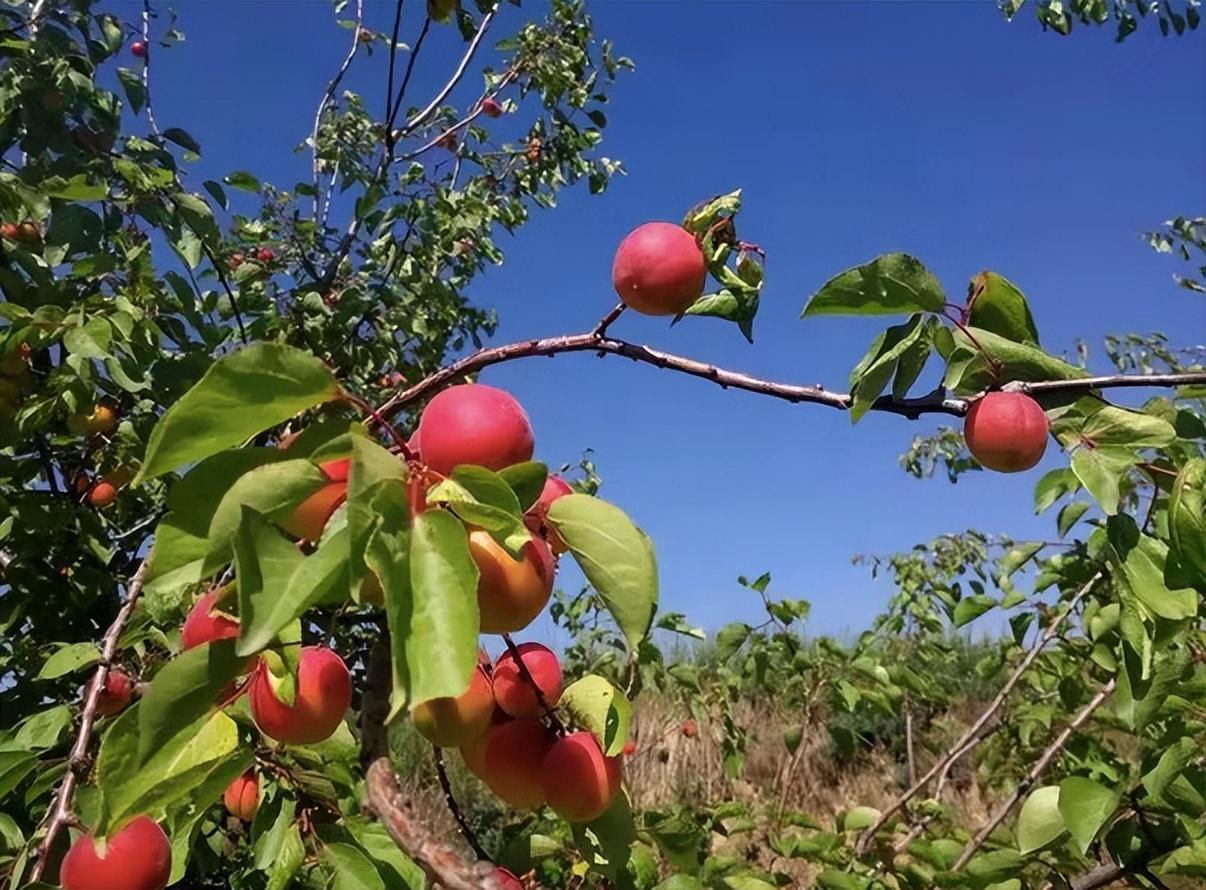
{"x":490,"y":107}
{"x":204,"y":625}
{"x":473,"y":752}
{"x":234,"y":261}
{"x":16,"y":362}
{"x":312,"y":514}
{"x":29,"y":233}
{"x":514,"y":694}
{"x":116,"y":694}
{"x":8,"y":231}
{"x":101,"y":419}
{"x":242,"y":797}
{"x":102,"y":495}
{"x":554,"y":487}
{"x":515,"y":753}
{"x":510,"y":592}
{"x":265,"y":255}
{"x":138,"y":857}
{"x":506,"y":880}
{"x":453,"y":721}
{"x":690,"y":729}
{"x":138,"y":49}
{"x":659,"y":269}
{"x":324,"y":691}
{"x":474,"y":424}
{"x":1006,"y":431}
{"x":629,"y":748}
{"x":579,"y":782}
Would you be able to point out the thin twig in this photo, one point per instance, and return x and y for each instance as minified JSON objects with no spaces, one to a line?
{"x":330,"y":94}
{"x":969,"y":737}
{"x":606,"y":321}
{"x":454,"y":807}
{"x":526,"y":675}
{"x":478,"y":110}
{"x":146,"y":65}
{"x":410,"y":67}
{"x":389,"y":82}
{"x":1034,"y":774}
{"x":60,"y":808}
{"x":443,"y":866}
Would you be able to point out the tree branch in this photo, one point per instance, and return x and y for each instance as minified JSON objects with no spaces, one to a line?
{"x":437,"y":754}
{"x":60,"y":808}
{"x":1035,"y":773}
{"x":443,"y":867}
{"x":967,"y":741}
{"x":319,"y":199}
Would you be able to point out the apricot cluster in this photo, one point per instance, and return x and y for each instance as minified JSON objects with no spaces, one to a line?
{"x":499,"y":725}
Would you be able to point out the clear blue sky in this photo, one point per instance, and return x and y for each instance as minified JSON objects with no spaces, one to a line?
{"x":855,"y":129}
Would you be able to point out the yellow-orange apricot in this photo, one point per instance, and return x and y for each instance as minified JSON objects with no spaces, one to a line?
{"x":510,"y":592}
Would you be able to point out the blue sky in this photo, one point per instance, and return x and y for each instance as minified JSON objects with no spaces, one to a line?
{"x":854,"y":129}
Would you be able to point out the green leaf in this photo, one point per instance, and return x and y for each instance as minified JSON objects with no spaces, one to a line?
{"x":892,"y":284}
{"x":616,"y":557}
{"x":1187,"y":521}
{"x":1100,"y":471}
{"x":969,"y":370}
{"x":998,"y":306}
{"x":998,"y":865}
{"x":351,"y":868}
{"x":970,"y":608}
{"x":1085,"y":806}
{"x":1110,"y":425}
{"x":606,"y":843}
{"x":481,"y":498}
{"x":186,"y":688}
{"x":240,"y":395}
{"x":181,"y":138}
{"x":68,"y":659}
{"x":372,"y":469}
{"x":598,"y":706}
{"x":265,"y":562}
{"x":1175,"y":759}
{"x":868,"y":383}
{"x":1069,"y":514}
{"x":91,"y":340}
{"x":1142,"y":572}
{"x":14,"y":767}
{"x":288,"y":860}
{"x":43,"y":729}
{"x":1039,"y":820}
{"x":131,"y":785}
{"x":859,"y":818}
{"x":1054,"y":485}
{"x":243,"y":181}
{"x":131,"y":82}
{"x":526,"y":480}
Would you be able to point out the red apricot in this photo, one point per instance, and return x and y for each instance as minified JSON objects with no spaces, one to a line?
{"x":490,"y":107}
{"x":554,"y":487}
{"x":29,"y":233}
{"x":474,"y":424}
{"x":324,"y":691}
{"x":1006,"y":431}
{"x":579,"y":782}
{"x":242,"y":797}
{"x":506,"y":881}
{"x":8,"y":231}
{"x":265,"y":255}
{"x":102,"y":495}
{"x":312,"y":514}
{"x":690,"y":729}
{"x":204,"y":625}
{"x":116,"y":694}
{"x":453,"y":721}
{"x":513,"y":693}
{"x":659,"y":269}
{"x":138,"y":857}
{"x":473,"y":752}
{"x":139,"y":49}
{"x":234,"y":261}
{"x":510,"y":592}
{"x":515,"y":753}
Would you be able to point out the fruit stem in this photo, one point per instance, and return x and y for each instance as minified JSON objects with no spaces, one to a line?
{"x":454,"y":807}
{"x":375,"y":416}
{"x":995,"y":364}
{"x":558,"y":726}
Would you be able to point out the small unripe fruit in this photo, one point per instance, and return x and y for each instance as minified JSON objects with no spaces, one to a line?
{"x":510,"y":592}
{"x":455,"y":721}
{"x":659,"y":269}
{"x":579,"y":782}
{"x":690,"y":729}
{"x":265,"y":255}
{"x":138,"y":857}
{"x":204,"y":624}
{"x":474,"y":424}
{"x":514,"y":694}
{"x":1006,"y":431}
{"x":515,"y":753}
{"x":324,"y":691}
{"x":8,"y":231}
{"x":234,"y":261}
{"x":242,"y":797}
{"x":116,"y":694}
{"x":554,"y":487}
{"x":138,"y":49}
{"x":102,"y":495}
{"x":629,"y":748}
{"x":491,"y":108}
{"x":101,"y":419}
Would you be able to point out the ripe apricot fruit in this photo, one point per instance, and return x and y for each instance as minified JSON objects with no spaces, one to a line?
{"x":116,"y":694}
{"x":510,"y":592}
{"x":474,"y":424}
{"x":242,"y":797}
{"x":102,"y":494}
{"x":659,"y":269}
{"x":506,"y":880}
{"x":8,"y":231}
{"x":579,"y":781}
{"x":138,"y":857}
{"x":324,"y":691}
{"x":513,"y":693}
{"x":453,"y":721}
{"x":1006,"y":431}
{"x":312,"y":514}
{"x":473,"y":752}
{"x":101,"y":419}
{"x":515,"y":753}
{"x":204,"y":625}
{"x":491,"y":108}
{"x":554,"y":487}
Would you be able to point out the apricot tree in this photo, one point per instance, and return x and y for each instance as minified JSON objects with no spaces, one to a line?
{"x":290,"y":520}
